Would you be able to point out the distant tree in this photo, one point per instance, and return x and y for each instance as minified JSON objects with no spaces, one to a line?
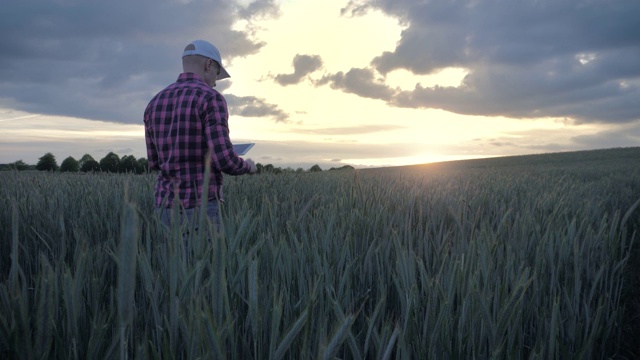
{"x":47,"y":163}
{"x":18,"y":165}
{"x":69,"y":165}
{"x":315,"y":168}
{"x":299,"y":170}
{"x":142,"y":166}
{"x":110,"y":163}
{"x":259,"y":168}
{"x":128,"y":164}
{"x":84,"y":159}
{"x":268,"y":168}
{"x":90,"y":166}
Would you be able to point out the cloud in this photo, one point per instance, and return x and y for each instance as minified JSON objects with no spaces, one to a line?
{"x":303,"y":65}
{"x":602,"y":136}
{"x":260,"y":9}
{"x":361,"y":82}
{"x":251,"y":106}
{"x":627,"y":135}
{"x":574,"y":91}
{"x":545,"y":58}
{"x":106,"y":60}
{"x":351,"y":130}
{"x":355,"y":8}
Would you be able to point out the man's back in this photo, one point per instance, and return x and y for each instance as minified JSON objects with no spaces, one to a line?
{"x":182,"y":122}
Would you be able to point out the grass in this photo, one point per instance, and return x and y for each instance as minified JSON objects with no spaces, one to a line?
{"x":524,"y":257}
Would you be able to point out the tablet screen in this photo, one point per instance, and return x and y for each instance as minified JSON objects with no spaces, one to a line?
{"x":242,"y":149}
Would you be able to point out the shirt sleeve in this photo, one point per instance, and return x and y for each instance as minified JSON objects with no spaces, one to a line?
{"x":223,"y":157}
{"x":152,"y":154}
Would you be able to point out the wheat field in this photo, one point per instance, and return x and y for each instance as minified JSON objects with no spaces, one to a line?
{"x":511,"y":258}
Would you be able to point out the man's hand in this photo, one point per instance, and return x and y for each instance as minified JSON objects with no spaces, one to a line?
{"x":253,"y":169}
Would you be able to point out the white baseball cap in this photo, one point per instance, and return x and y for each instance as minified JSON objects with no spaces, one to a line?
{"x":206,"y":49}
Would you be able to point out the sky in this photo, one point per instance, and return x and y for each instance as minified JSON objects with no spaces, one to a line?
{"x":353,"y":82}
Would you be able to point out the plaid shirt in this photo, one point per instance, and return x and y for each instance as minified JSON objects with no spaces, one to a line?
{"x":182,"y":123}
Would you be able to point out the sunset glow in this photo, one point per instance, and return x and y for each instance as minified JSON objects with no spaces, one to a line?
{"x":330,"y":82}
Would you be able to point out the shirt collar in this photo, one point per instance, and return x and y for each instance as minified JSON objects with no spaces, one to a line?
{"x":189,"y":77}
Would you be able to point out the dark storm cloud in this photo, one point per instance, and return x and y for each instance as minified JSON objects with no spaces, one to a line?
{"x":303,"y":65}
{"x":251,"y":106}
{"x":574,"y":59}
{"x":105,"y":60}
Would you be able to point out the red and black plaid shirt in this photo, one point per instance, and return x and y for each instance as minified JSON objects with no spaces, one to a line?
{"x":183,"y":122}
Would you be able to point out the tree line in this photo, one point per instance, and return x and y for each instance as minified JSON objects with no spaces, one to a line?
{"x":110,"y":163}
{"x":113,"y":163}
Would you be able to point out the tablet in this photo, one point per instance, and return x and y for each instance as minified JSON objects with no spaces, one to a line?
{"x":242,"y":149}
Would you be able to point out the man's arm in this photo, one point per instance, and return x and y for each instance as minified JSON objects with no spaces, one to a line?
{"x":152,"y":154}
{"x":223,"y":157}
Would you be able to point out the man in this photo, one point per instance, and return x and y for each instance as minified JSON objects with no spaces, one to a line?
{"x":186,"y":126}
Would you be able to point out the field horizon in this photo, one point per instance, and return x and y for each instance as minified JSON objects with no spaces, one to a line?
{"x":596,"y":155}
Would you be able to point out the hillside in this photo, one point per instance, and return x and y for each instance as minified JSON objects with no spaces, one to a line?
{"x":609,"y":157}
